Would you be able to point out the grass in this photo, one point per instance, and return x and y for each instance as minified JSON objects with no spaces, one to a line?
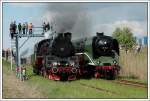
{"x":134,"y":66}
{"x":39,"y":87}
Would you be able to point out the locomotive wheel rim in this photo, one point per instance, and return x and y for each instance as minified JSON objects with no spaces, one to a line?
{"x":74,"y":70}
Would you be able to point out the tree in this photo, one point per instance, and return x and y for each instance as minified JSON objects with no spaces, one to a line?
{"x":124,"y":37}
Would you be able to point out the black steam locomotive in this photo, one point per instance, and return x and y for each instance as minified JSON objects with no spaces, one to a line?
{"x":105,"y":51}
{"x":56,"y":58}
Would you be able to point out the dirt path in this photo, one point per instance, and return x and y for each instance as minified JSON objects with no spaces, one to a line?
{"x":15,"y":88}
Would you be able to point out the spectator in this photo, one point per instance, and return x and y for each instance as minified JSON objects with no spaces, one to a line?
{"x":7,"y":54}
{"x":19,"y":28}
{"x":23,"y":28}
{"x":11,"y":30}
{"x":17,"y":72}
{"x":30,"y":28}
{"x":44,"y":27}
{"x":138,"y":48}
{"x":47,"y":26}
{"x":14,"y":27}
{"x":3,"y":53}
{"x":26,"y":27}
{"x":23,"y":73}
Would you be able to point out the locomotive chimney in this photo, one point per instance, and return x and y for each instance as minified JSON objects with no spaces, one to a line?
{"x":100,"y":34}
{"x":68,"y":35}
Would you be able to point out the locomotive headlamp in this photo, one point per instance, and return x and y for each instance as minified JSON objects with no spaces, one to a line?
{"x":115,"y":62}
{"x":54,"y":63}
{"x":74,"y":70}
{"x":66,"y":64}
{"x":58,"y":63}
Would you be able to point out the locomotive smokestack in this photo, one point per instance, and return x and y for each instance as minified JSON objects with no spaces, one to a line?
{"x":100,"y":34}
{"x":68,"y":35}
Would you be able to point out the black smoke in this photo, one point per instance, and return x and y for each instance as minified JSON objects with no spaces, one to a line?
{"x":71,"y":17}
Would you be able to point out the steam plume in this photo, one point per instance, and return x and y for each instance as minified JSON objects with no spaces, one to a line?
{"x":69,"y":17}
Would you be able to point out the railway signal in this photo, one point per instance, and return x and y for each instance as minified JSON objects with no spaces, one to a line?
{"x":15,"y":35}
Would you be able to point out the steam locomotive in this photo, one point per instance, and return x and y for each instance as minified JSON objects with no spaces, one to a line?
{"x":105,"y":52}
{"x":56,"y":58}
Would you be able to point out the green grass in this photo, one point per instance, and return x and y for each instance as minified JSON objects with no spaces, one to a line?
{"x":73,"y":89}
{"x":120,"y":91}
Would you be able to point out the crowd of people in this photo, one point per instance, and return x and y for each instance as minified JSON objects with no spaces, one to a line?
{"x":25,"y":28}
{"x":20,"y":28}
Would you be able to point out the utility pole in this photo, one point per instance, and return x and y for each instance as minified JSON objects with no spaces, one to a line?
{"x":18,"y":67}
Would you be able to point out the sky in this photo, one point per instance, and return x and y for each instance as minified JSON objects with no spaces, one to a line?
{"x":86,"y":18}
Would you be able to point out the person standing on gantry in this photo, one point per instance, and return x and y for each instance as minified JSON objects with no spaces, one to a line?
{"x":30,"y":28}
{"x":11,"y":30}
{"x":23,"y":28}
{"x":19,"y":28}
{"x":26,"y":27}
{"x":44,"y":27}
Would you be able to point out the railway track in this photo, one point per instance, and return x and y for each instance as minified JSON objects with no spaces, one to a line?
{"x":97,"y":88}
{"x":122,"y":82}
{"x":132,"y":83}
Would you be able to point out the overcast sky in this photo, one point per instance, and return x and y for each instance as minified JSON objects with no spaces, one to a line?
{"x":92,"y":17}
